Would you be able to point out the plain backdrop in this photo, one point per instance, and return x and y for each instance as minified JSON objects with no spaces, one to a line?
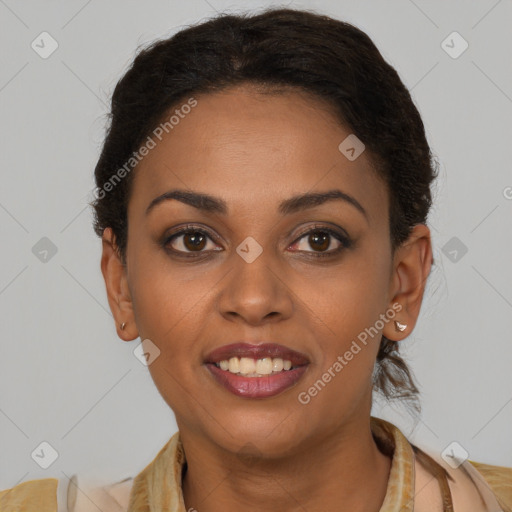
{"x":67,"y":379}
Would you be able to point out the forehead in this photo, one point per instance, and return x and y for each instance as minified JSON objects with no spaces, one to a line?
{"x":254,"y":150}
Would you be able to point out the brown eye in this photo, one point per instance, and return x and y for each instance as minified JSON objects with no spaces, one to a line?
{"x":188,"y":240}
{"x":323,"y":242}
{"x":319,"y":240}
{"x":194,"y":240}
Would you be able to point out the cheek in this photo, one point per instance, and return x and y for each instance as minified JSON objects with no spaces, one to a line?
{"x":168,"y":311}
{"x":347,"y":307}
{"x":165,"y":306}
{"x":350,"y":298}
{"x":173,"y":308}
{"x":163,"y":293}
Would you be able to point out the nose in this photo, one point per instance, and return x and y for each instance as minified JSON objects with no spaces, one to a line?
{"x":255,"y":292}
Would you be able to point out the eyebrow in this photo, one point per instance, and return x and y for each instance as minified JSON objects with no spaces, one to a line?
{"x":211,"y":204}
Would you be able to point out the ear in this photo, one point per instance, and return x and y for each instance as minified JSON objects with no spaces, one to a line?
{"x":411,"y":267}
{"x":116,"y":282}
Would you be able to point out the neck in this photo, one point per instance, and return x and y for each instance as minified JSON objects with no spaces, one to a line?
{"x":344,"y":468}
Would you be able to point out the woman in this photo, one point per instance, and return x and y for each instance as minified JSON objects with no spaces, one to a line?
{"x":262,"y":197}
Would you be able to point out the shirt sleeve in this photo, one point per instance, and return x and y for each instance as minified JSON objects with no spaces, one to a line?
{"x":499,"y":478}
{"x":31,"y":496}
{"x":88,"y":496}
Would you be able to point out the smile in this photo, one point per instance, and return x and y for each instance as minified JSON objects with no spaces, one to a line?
{"x":262,"y":387}
{"x":256,"y":371}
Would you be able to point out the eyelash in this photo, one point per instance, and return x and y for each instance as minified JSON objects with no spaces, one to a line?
{"x":345,"y":241}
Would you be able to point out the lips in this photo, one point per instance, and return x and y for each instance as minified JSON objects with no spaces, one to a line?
{"x":257,"y":387}
{"x":241,"y":349}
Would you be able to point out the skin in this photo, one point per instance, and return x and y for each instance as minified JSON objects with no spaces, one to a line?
{"x":255,"y":150}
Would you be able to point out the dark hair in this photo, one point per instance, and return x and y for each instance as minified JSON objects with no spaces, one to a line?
{"x":275,"y":50}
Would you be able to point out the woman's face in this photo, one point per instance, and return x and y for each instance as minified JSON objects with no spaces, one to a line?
{"x":258,"y":274}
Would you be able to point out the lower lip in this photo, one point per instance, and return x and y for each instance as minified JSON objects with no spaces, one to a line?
{"x":257,"y":387}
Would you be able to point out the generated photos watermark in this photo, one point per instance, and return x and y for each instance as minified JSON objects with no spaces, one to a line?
{"x":304,"y":397}
{"x":149,"y":144}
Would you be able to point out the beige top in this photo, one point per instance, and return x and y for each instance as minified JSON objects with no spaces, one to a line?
{"x":418,"y":482}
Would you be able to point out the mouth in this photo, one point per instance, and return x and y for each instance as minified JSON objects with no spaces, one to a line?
{"x":256,"y":371}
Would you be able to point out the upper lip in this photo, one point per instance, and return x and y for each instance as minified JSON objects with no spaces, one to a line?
{"x":260,"y":351}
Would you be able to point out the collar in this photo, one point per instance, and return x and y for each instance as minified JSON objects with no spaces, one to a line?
{"x":412,"y":484}
{"x":400,"y":488}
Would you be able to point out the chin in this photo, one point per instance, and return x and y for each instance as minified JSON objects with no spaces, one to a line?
{"x":271,"y":437}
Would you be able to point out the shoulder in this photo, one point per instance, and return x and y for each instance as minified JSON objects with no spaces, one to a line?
{"x":67,"y":494}
{"x":473,"y":485}
{"x":499,"y":478}
{"x":40,"y":495}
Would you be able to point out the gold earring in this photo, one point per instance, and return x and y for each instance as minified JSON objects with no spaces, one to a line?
{"x":123,"y":325}
{"x":400,"y":327}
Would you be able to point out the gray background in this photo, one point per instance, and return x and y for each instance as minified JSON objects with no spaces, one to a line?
{"x":66,"y":378}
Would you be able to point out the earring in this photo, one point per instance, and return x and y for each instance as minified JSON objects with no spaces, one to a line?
{"x":123,"y":325}
{"x":399,"y":326}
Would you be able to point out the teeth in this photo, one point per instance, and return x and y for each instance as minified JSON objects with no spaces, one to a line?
{"x":234,"y":365}
{"x":264,"y":366}
{"x":277,"y":364}
{"x":250,"y":367}
{"x":247,"y":365}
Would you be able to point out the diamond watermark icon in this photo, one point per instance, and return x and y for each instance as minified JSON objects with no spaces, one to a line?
{"x":249,"y":249}
{"x":454,"y":45}
{"x":44,"y":45}
{"x":454,"y":249}
{"x":45,"y":455}
{"x":44,"y":250}
{"x":454,"y":454}
{"x":351,"y":147}
{"x":146,"y":352}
